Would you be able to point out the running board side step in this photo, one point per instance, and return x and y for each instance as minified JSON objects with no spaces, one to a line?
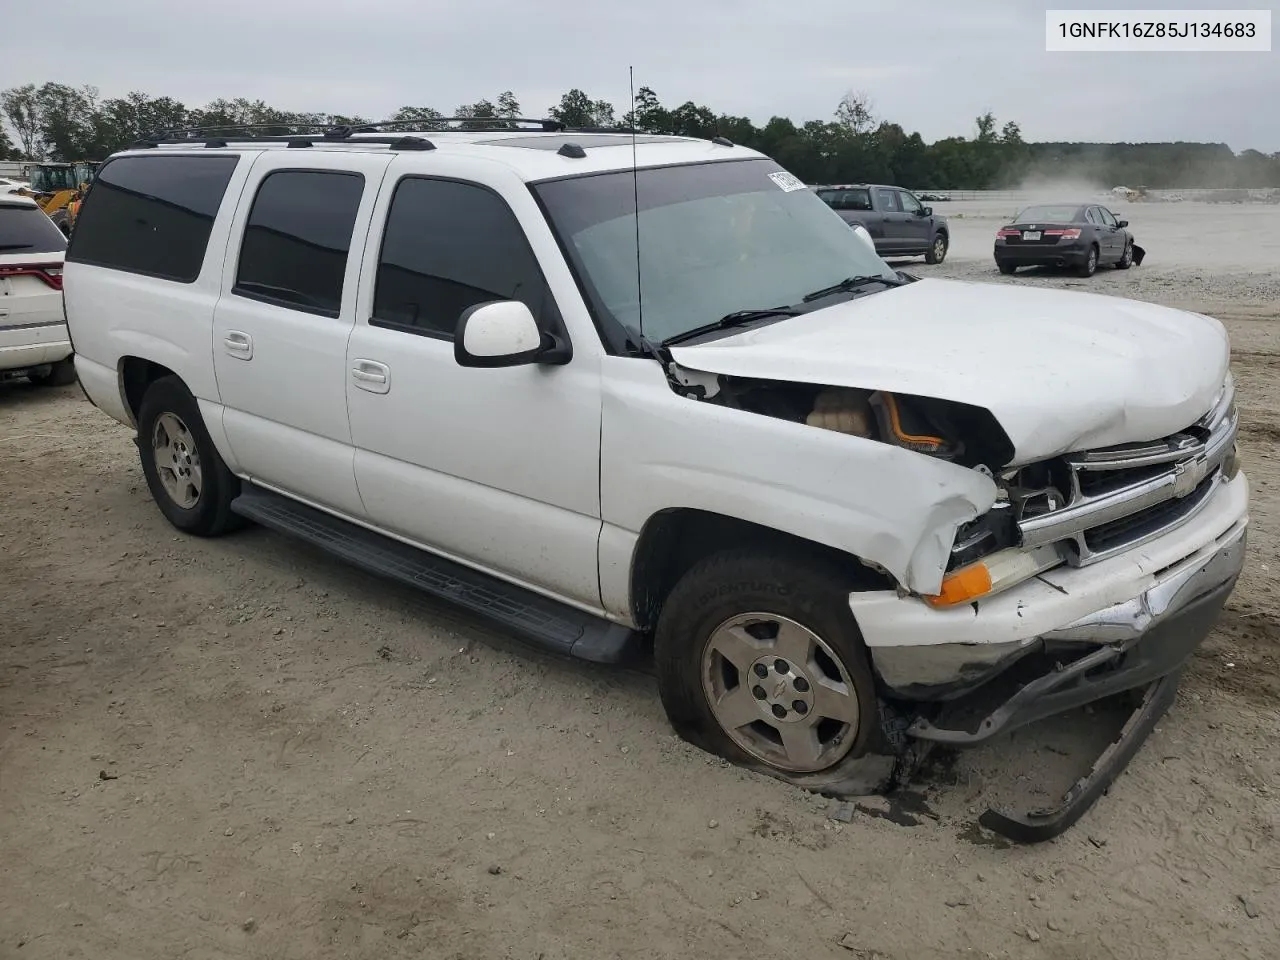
{"x":536,"y":619}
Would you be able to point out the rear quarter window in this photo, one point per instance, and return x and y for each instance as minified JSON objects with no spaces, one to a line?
{"x":25,"y":229}
{"x":152,"y":214}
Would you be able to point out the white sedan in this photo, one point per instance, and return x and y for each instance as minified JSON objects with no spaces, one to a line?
{"x":33,"y":328}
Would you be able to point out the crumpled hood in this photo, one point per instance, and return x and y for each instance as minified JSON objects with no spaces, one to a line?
{"x":1059,"y":370}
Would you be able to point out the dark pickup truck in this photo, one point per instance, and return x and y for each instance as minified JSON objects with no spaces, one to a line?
{"x":898,"y":223}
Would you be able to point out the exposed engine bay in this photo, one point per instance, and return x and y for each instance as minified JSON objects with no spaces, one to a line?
{"x":958,"y":433}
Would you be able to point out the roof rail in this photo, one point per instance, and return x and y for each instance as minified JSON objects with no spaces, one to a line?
{"x":343,"y":131}
{"x":395,"y":142}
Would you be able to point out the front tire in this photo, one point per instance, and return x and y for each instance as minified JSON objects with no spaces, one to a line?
{"x":937,"y":251}
{"x":61,"y":374}
{"x":1126,"y":259}
{"x":761,"y":662}
{"x":188,"y":479}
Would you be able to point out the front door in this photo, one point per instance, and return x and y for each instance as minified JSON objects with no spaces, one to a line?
{"x":1114,"y":234}
{"x":917,"y":229}
{"x":497,"y":468}
{"x":890,"y":214}
{"x":284,"y":317}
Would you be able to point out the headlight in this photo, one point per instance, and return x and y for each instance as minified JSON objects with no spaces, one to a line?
{"x":995,"y":573}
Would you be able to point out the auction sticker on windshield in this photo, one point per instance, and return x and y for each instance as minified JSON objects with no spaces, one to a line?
{"x":786,"y":181}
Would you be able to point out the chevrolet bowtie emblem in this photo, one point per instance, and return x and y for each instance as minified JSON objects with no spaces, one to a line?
{"x":1187,"y":476}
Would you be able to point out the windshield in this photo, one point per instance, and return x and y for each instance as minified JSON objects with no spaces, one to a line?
{"x":715,"y":238}
{"x":25,"y":229}
{"x":51,"y":179}
{"x":1048,"y":213}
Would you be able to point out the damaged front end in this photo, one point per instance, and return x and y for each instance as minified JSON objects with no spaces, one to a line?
{"x":960,"y":434}
{"x":1091,"y":574}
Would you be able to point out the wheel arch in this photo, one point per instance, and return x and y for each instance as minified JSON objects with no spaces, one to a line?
{"x":136,"y":374}
{"x":673,"y":540}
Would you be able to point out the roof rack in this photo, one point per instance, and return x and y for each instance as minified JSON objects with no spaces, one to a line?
{"x":222,"y":134}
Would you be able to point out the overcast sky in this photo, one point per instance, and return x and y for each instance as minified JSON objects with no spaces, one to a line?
{"x":930,"y":66}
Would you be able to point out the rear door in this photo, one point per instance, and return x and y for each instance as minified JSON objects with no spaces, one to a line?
{"x":32,"y":328}
{"x":892,"y":221}
{"x":284,"y":317}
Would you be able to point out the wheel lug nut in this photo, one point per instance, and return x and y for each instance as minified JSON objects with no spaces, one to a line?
{"x":779,"y":711}
{"x":801,"y":685}
{"x":761,"y":670}
{"x":758,"y":692}
{"x":781,"y":666}
{"x":800,"y":707}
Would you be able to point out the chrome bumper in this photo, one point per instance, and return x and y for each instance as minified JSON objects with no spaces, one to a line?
{"x":1134,"y":643}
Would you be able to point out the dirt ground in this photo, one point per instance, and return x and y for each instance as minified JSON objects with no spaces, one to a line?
{"x":241,"y":748}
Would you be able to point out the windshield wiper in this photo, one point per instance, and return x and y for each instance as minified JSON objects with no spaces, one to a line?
{"x":851,"y":283}
{"x":16,"y":246}
{"x":738,"y":318}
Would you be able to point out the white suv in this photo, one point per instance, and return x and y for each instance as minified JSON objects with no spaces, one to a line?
{"x":33,"y":330}
{"x":840,"y":502}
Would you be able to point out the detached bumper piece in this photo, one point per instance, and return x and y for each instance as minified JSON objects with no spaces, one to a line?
{"x":1037,"y":826}
{"x":1142,"y":644}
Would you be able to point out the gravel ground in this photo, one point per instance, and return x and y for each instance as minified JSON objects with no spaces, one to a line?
{"x":241,"y":748}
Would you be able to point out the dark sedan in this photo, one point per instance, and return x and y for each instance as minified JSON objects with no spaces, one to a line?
{"x":1082,"y":236}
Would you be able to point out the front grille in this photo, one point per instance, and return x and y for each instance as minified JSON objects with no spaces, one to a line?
{"x":1118,"y":497}
{"x":1152,"y":521}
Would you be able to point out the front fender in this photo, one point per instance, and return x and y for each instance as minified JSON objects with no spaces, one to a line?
{"x":886,"y":505}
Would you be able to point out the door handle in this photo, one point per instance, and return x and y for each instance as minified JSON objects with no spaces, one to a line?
{"x":371,"y":375}
{"x":238,"y":344}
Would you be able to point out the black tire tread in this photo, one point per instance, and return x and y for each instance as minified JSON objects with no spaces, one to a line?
{"x":929,"y":254}
{"x":212,"y":515}
{"x":62,"y":374}
{"x":1128,"y":251}
{"x":869,"y":766}
{"x":1083,"y":270}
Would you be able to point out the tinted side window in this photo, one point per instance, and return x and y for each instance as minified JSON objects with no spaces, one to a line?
{"x":297,"y":238}
{"x":152,"y":215}
{"x":887,"y":200}
{"x":909,"y":203}
{"x":1092,"y":215}
{"x":447,"y":247}
{"x":1107,"y":218}
{"x":852,"y":200}
{"x":25,"y":229}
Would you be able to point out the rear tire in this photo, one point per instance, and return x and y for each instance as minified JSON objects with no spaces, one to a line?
{"x":188,"y":479}
{"x":1090,"y":265}
{"x":61,"y":374}
{"x":728,"y":630}
{"x":1008,"y":269}
{"x":937,"y":251}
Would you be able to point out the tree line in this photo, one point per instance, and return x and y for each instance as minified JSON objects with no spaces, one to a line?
{"x":55,"y":121}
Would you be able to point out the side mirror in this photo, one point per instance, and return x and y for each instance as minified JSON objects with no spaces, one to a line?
{"x":926,"y":211}
{"x":1122,"y":223}
{"x":503,"y":333}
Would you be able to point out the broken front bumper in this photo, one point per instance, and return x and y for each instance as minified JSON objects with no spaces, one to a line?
{"x":1093,"y":631}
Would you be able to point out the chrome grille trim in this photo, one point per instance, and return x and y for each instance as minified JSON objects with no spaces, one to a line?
{"x":1194,"y":456}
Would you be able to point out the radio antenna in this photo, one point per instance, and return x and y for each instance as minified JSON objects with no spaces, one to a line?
{"x":635,"y":193}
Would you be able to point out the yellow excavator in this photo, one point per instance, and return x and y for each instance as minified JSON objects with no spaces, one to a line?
{"x":58,"y":188}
